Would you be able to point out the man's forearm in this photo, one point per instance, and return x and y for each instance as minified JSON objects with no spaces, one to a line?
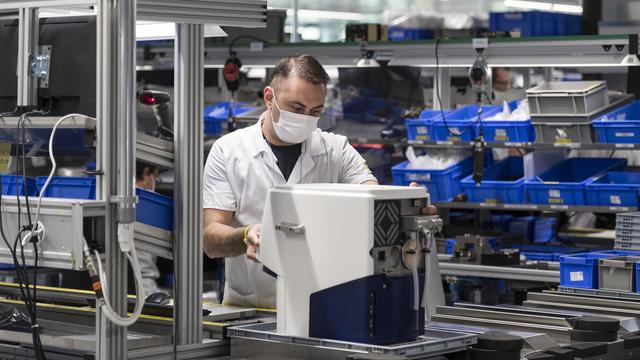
{"x":223,"y":241}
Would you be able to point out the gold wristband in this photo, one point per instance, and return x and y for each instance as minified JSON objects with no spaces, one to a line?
{"x":245,"y":239}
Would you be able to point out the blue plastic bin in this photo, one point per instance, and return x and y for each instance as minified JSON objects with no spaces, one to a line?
{"x":620,"y":126}
{"x":565,"y":182}
{"x":421,"y":129}
{"x":450,"y":246}
{"x":508,"y":130}
{"x":69,"y":187}
{"x":539,"y":256}
{"x":461,"y":123}
{"x":535,"y":23}
{"x":638,"y":277}
{"x":544,"y":230}
{"x":216,"y":115}
{"x":524,"y":226}
{"x":503,"y":182}
{"x":9,"y":185}
{"x":443,"y":184}
{"x":614,"y":189}
{"x":154,"y":209}
{"x":400,"y":34}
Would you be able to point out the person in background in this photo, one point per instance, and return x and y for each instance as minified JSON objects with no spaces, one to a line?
{"x":146,"y":176}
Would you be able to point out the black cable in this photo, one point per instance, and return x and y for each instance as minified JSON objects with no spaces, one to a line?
{"x":231,"y":52}
{"x":437,"y":86}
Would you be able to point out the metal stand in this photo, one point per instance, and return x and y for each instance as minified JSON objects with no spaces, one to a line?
{"x":188,"y":137}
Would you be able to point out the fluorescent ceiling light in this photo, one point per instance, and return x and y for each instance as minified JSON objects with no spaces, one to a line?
{"x":153,"y":30}
{"x":528,"y":4}
{"x":575,"y":9}
{"x":324,"y":14}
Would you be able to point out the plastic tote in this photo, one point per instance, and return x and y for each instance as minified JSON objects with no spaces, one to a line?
{"x":460,"y":124}
{"x":614,"y":189}
{"x":503,"y":182}
{"x":564,"y":183}
{"x":421,"y":129}
{"x":154,"y":209}
{"x":69,"y":187}
{"x":216,"y":115}
{"x":620,"y":126}
{"x":14,"y":185}
{"x":508,"y":130}
{"x":443,"y":184}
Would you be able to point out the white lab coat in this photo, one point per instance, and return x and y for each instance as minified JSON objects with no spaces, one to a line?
{"x":239,"y":171}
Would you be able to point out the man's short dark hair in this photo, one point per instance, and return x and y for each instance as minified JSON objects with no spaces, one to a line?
{"x":141,"y":166}
{"x":305,"y":67}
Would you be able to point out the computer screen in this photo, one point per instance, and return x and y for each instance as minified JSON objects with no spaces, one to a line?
{"x":72,"y":71}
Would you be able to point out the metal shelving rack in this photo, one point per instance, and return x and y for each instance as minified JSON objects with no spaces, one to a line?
{"x":116,"y":148}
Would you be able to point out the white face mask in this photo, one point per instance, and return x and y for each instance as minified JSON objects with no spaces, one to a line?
{"x":293,"y":128}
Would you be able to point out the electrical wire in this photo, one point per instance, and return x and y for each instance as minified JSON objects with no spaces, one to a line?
{"x":437,"y":87}
{"x":130,"y":253}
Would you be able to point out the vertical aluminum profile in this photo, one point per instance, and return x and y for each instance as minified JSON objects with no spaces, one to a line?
{"x":126,"y":111}
{"x":115,"y":18}
{"x":188,"y":145}
{"x":28,"y":32}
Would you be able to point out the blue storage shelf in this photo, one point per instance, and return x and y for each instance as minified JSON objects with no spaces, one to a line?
{"x":565,"y":182}
{"x":620,"y":126}
{"x":216,"y":115}
{"x":535,"y":23}
{"x":614,"y":189}
{"x":10,"y":187}
{"x":443,"y":184}
{"x":461,"y":123}
{"x":154,"y":209}
{"x":503,"y":182}
{"x":421,"y":129}
{"x":69,"y":187}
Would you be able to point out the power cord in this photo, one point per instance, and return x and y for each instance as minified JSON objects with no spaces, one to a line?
{"x":437,"y":86}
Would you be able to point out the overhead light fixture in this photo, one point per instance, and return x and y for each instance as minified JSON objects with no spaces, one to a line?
{"x":367,"y":60}
{"x":325,"y":14}
{"x":154,"y":30}
{"x":528,"y":4}
{"x":574,"y":9}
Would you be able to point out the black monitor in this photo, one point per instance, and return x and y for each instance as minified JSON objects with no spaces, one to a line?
{"x":72,"y":72}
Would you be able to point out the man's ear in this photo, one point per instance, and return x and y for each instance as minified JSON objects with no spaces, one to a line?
{"x":267,"y":93}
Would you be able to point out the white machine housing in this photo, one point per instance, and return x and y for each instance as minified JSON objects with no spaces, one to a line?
{"x":318,"y":236}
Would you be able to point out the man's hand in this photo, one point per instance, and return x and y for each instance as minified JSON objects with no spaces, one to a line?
{"x":429,"y":210}
{"x":253,"y":242}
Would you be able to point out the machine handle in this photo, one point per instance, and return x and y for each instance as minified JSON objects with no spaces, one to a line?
{"x":290,"y":228}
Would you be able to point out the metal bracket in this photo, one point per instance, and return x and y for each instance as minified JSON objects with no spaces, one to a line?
{"x":290,"y":228}
{"x":39,"y":66}
{"x":124,"y":200}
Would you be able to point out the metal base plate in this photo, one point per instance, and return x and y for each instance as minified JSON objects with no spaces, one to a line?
{"x":256,"y":340}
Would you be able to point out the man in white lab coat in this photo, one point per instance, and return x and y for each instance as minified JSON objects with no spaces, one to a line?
{"x":284,"y":147}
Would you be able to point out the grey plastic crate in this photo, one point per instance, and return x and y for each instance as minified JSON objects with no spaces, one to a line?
{"x":631,"y":217}
{"x":567,"y":98}
{"x":615,"y":101}
{"x":564,"y":133}
{"x":626,"y":245}
{"x":618,"y":273}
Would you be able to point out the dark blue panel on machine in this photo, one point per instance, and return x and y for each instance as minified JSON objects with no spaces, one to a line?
{"x":376,"y":309}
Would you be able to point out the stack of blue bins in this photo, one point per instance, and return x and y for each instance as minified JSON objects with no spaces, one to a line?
{"x":502,"y":182}
{"x":565,"y":182}
{"x":152,"y":209}
{"x":581,"y":270}
{"x":421,"y":129}
{"x":620,"y":126}
{"x":461,"y":124}
{"x":517,"y":130}
{"x":535,"y":23}
{"x":616,"y":188}
{"x":443,"y":185}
